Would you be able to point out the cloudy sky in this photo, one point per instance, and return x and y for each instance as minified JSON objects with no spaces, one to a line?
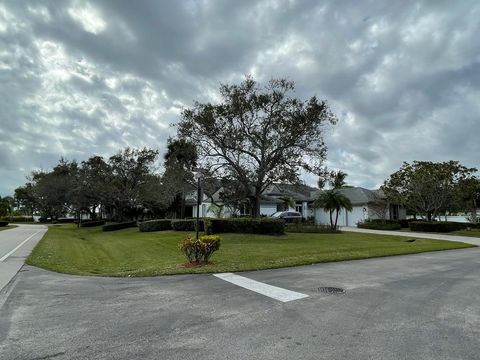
{"x":79,"y":78}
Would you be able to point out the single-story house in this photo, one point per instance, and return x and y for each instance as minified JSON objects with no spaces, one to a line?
{"x":367,"y":204}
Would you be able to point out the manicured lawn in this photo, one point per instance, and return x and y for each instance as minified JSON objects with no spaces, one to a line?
{"x":7,"y":227}
{"x":471,"y":233}
{"x":89,"y":251}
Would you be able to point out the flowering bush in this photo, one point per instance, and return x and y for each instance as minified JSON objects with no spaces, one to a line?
{"x":199,"y":251}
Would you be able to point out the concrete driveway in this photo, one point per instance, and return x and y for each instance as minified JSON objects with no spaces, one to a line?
{"x":415,"y":307}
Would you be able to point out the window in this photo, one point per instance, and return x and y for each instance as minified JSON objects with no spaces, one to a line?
{"x":299,"y":208}
{"x":244,"y":209}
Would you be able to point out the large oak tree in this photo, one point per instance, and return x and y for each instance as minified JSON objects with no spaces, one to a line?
{"x":258,"y":135}
{"x":425,"y":187}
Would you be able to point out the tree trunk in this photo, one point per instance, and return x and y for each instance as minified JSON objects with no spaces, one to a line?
{"x":256,"y":205}
{"x":331,"y":220}
{"x":336,"y":220}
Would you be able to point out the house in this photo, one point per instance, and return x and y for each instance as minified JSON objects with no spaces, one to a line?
{"x":271,"y":201}
{"x":367,"y":204}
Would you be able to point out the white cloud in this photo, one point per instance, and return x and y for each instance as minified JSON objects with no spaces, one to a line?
{"x":404,"y":77}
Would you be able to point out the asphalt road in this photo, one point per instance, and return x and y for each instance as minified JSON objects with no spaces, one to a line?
{"x":415,"y":307}
{"x":15,"y":246}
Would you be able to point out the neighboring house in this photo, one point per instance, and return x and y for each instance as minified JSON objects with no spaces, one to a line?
{"x":366,"y":204}
{"x":270,"y":202}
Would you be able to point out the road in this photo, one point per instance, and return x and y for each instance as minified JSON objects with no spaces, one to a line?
{"x":15,"y":245}
{"x":412,"y":307}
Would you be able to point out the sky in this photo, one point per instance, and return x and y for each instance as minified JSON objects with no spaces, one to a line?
{"x":79,"y":78}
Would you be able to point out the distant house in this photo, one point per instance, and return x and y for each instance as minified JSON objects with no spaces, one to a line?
{"x":366,"y":204}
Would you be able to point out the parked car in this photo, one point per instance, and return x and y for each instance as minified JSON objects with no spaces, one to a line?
{"x":288,"y":216}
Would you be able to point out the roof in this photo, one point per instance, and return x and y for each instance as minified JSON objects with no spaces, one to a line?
{"x":359,"y":195}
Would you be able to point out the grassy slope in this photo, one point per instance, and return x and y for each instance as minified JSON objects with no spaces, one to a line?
{"x":89,"y":251}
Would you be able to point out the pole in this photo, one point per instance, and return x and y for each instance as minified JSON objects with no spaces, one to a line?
{"x":198,"y":205}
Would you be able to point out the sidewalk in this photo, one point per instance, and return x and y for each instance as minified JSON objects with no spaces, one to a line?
{"x":465,"y":239}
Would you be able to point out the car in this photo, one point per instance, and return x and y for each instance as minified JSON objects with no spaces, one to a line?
{"x":288,"y":216}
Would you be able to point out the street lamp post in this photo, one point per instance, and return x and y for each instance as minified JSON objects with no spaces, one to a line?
{"x":198,"y":176}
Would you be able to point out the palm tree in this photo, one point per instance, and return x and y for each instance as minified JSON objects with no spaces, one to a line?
{"x":333,"y":201}
{"x":287,"y":202}
{"x":337,"y":180}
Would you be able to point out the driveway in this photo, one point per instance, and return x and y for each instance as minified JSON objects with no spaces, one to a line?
{"x":422,"y":306}
{"x":15,"y":246}
{"x":465,"y":239}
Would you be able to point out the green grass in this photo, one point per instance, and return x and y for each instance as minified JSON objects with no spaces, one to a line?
{"x":89,"y":251}
{"x":471,"y":233}
{"x":7,"y":227}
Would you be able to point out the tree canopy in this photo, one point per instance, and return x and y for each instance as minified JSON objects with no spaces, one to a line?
{"x":258,"y":135}
{"x":426,"y":187}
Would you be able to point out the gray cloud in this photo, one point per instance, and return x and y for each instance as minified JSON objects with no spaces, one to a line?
{"x":80,"y":77}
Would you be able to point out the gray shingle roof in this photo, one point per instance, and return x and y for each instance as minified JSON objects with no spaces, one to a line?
{"x":358,"y":195}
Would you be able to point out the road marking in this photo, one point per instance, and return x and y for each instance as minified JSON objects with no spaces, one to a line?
{"x":19,"y":246}
{"x":274,"y":292}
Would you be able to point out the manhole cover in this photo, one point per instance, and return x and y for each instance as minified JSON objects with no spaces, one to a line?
{"x":331,"y":290}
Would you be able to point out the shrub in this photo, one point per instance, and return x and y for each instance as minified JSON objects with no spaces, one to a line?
{"x":155,"y":225}
{"x":3,"y":223}
{"x":92,"y":223}
{"x":65,"y":220}
{"x":199,"y":251}
{"x":13,"y":219}
{"x":186,"y":225}
{"x":119,"y":226}
{"x":245,"y":225}
{"x":436,"y":226}
{"x":379,"y":224}
{"x":306,"y":228}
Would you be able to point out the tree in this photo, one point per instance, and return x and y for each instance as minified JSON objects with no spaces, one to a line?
{"x":178,"y":179}
{"x":130,"y":169}
{"x":287,"y":202}
{"x":25,"y":199}
{"x":469,"y":196}
{"x":336,"y":179}
{"x":426,"y":187}
{"x":258,"y":135}
{"x":379,"y":205}
{"x":333,"y":201}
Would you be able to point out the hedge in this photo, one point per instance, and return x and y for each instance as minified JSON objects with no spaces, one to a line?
{"x":13,"y":219}
{"x":92,"y":223}
{"x":155,"y":225}
{"x":187,"y":225}
{"x":65,"y":220}
{"x":307,"y":228}
{"x":379,"y":224}
{"x":245,"y":225}
{"x":3,"y":223}
{"x":437,"y":226}
{"x":119,"y":226}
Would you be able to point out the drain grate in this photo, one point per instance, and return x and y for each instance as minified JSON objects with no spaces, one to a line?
{"x":331,"y":290}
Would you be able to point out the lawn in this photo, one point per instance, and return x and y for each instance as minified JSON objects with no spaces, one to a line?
{"x":466,"y":232}
{"x":89,"y":251}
